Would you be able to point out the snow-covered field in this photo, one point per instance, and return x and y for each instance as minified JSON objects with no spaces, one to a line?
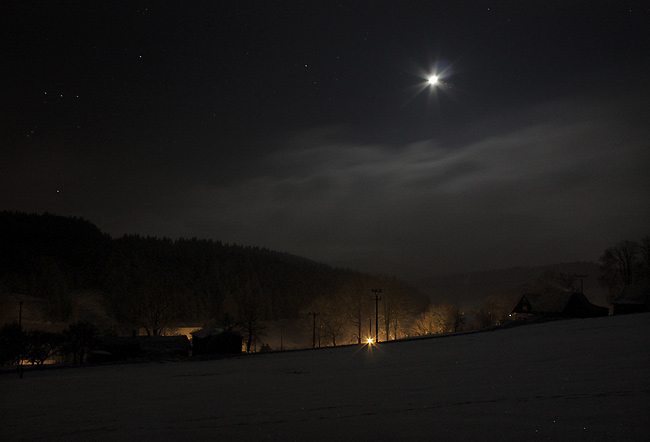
{"x":574,"y":380}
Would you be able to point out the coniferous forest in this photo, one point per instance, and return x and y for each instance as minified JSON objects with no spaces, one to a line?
{"x":151,"y":282}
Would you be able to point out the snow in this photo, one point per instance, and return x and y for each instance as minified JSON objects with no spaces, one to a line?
{"x":578,"y":380}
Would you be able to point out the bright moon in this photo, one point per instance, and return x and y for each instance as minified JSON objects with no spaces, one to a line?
{"x":433,"y":80}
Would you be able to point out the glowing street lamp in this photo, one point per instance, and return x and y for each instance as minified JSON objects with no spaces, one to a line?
{"x":369,"y":341}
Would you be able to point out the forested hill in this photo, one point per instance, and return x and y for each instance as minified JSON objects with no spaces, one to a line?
{"x":54,"y":258}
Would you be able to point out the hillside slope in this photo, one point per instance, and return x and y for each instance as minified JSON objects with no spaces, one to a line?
{"x":470,"y":289}
{"x":578,"y":380}
{"x":56,"y":260}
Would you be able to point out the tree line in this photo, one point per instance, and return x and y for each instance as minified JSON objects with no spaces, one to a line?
{"x":37,"y":346}
{"x":151,"y":283}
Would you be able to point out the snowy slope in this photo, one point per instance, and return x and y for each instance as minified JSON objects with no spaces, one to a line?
{"x":578,"y":380}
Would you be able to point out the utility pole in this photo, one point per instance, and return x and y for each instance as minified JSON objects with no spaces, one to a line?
{"x":377,"y":299}
{"x":20,"y":342}
{"x":314,"y":314}
{"x":582,"y":287}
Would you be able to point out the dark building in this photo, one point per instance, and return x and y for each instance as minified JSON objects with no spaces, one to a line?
{"x":634,"y":299}
{"x":561,"y":305}
{"x":121,"y":348}
{"x":213,"y":340}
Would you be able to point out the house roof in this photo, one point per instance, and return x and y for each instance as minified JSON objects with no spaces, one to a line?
{"x":160,"y":343}
{"x":562,"y":304}
{"x":548,"y":302}
{"x":151,"y":343}
{"x":206,"y":332}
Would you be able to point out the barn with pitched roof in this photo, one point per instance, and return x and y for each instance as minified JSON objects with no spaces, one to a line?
{"x":561,"y":304}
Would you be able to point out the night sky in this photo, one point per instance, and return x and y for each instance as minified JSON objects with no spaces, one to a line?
{"x":309,"y":127}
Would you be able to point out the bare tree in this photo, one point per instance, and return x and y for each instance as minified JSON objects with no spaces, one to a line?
{"x":42,"y":345}
{"x":331,"y":315}
{"x":250,"y":321}
{"x":78,"y":340}
{"x":453,"y":317}
{"x":400,"y":304}
{"x":153,"y":308}
{"x":495,"y":310}
{"x":619,"y":267}
{"x":428,"y":322}
{"x":442,"y":318}
{"x":644,"y":252}
{"x":387,"y":313}
{"x":357,"y":306}
{"x":251,"y":313}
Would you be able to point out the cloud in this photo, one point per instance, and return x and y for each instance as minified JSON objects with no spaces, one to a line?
{"x":532,"y":193}
{"x":558,"y":181}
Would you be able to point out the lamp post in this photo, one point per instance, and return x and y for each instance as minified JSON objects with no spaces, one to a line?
{"x":582,"y":280}
{"x":377,"y":299}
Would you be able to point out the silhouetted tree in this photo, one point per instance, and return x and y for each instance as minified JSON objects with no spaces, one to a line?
{"x":250,"y":313}
{"x":436,"y":319}
{"x":388,"y":305}
{"x":400,"y":303}
{"x":41,"y":345}
{"x":644,"y":252}
{"x":153,"y":309}
{"x":78,"y":340}
{"x":357,"y":305}
{"x":11,"y":341}
{"x":227,"y":322}
{"x":454,"y":318}
{"x":332,"y":316}
{"x":619,"y":267}
{"x":429,"y":322}
{"x":495,"y":310}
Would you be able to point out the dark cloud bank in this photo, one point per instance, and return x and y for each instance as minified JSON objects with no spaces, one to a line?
{"x":565,"y":181}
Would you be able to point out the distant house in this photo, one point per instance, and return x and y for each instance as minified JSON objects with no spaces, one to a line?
{"x":566,"y":304}
{"x":634,"y":299}
{"x":121,"y":348}
{"x":214,"y":340}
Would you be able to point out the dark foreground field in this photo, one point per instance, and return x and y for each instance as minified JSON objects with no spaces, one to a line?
{"x":577,"y":380}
